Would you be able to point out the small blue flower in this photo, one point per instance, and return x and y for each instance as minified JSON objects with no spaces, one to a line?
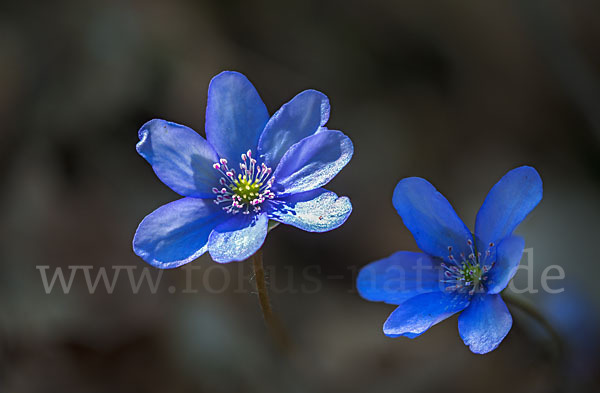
{"x":250,"y":169}
{"x":455,"y":272}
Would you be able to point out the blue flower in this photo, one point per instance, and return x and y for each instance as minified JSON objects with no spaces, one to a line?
{"x":457,"y":271}
{"x":250,"y":169}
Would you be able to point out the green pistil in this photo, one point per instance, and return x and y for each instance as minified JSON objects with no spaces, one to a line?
{"x":245,"y":189}
{"x":471,"y":273}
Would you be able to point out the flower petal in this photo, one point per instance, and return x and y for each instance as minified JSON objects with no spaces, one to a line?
{"x":238,"y":238}
{"x":177,"y":233}
{"x":399,"y":277}
{"x":299,"y":118}
{"x":235,"y":115}
{"x":430,"y":218}
{"x":485,"y":323}
{"x":507,"y":204}
{"x":313,"y":211}
{"x":413,"y":317}
{"x":508,"y":257}
{"x":180,"y":157}
{"x":312,"y":162}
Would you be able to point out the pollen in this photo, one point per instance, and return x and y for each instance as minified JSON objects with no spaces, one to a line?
{"x":468,"y":272}
{"x":246,"y":191}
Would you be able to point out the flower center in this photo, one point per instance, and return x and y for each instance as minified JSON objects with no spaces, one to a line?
{"x":467,"y":273}
{"x":246,"y":190}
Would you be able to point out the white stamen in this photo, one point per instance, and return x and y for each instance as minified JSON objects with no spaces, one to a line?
{"x":248,"y":190}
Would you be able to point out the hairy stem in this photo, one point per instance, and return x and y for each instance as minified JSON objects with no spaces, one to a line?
{"x":274,"y":325}
{"x":529,"y":309}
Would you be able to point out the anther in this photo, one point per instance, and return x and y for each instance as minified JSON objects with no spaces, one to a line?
{"x":246,"y":190}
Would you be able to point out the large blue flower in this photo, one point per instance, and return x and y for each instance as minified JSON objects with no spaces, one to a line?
{"x":455,"y":272}
{"x":250,"y":169}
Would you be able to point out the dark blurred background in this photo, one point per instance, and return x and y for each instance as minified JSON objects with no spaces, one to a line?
{"x":458,"y":92}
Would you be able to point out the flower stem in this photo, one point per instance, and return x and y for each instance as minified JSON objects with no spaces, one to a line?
{"x":529,"y":309}
{"x":274,"y":325}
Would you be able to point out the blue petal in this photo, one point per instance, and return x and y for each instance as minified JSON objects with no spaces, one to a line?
{"x":507,"y":204}
{"x":312,"y":162}
{"x":413,"y":317}
{"x":180,"y":157}
{"x":177,"y":233}
{"x":235,"y":115}
{"x":299,"y":118}
{"x":313,"y":211}
{"x":431,"y":219}
{"x":508,"y":257}
{"x":238,"y":238}
{"x":485,"y":323}
{"x":399,"y":277}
